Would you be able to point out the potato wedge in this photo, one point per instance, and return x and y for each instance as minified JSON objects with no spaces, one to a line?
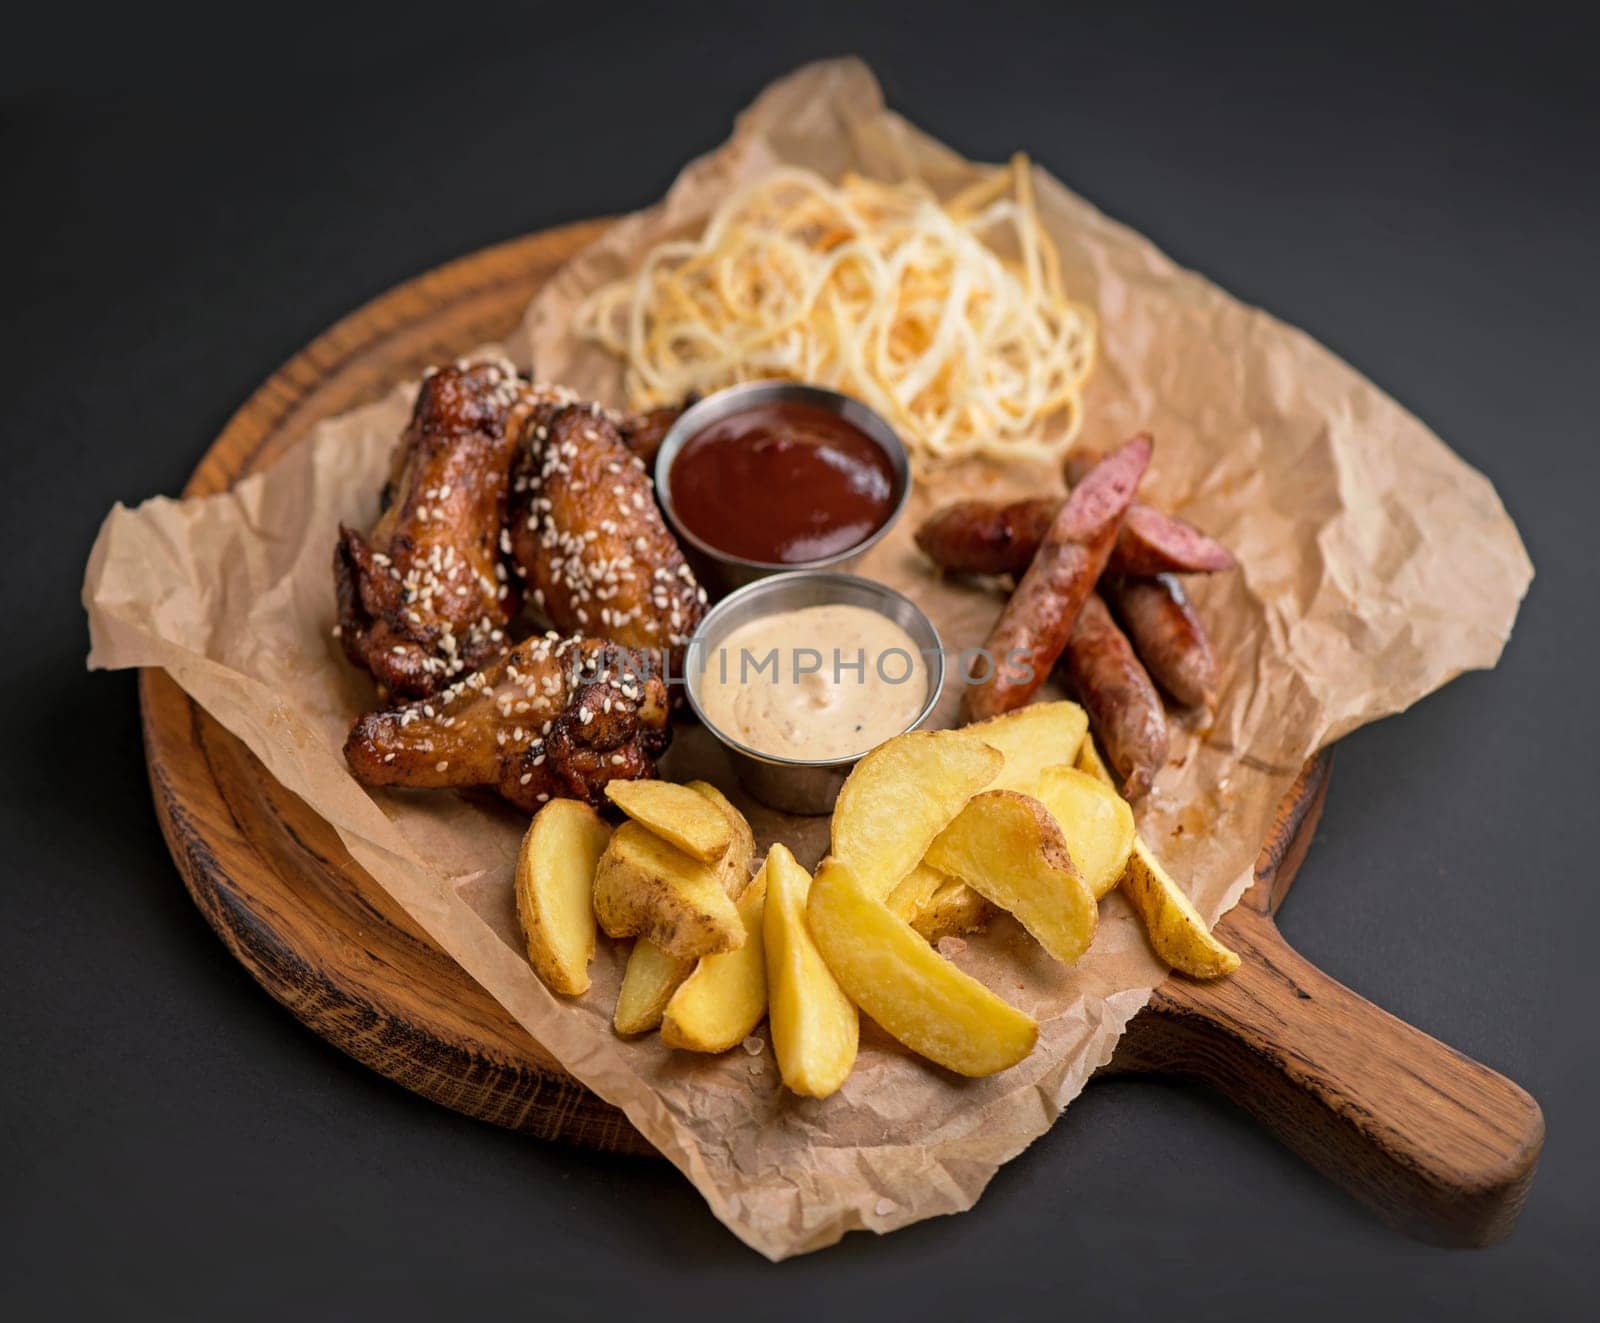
{"x":902,"y":795}
{"x":915,"y":891}
{"x":675,"y":813}
{"x":734,"y":865}
{"x":726,"y":996}
{"x":936,"y":905}
{"x":1177,"y":932}
{"x":1008,"y":849}
{"x":649,"y":981}
{"x":554,"y":881}
{"x":645,"y":886}
{"x":1032,"y":738}
{"x":652,"y":975}
{"x":1090,"y":761}
{"x":906,"y":986}
{"x":1095,"y":820}
{"x":954,"y":909}
{"x":815,"y":1027}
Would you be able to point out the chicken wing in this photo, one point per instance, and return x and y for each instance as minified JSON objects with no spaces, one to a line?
{"x":590,"y":540}
{"x":425,"y":596}
{"x":644,"y":432}
{"x":554,"y":718}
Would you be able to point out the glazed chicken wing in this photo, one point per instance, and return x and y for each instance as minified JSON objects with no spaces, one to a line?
{"x":644,"y":432}
{"x":554,"y":718}
{"x":424,"y":597}
{"x":588,"y":536}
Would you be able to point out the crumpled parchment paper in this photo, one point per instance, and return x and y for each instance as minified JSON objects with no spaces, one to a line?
{"x":1374,"y":566}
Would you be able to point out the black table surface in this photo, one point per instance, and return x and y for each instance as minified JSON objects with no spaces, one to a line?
{"x":188,"y":199}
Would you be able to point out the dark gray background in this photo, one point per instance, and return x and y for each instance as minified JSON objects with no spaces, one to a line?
{"x":188,"y":199}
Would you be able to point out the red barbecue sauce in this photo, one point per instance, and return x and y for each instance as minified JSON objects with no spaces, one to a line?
{"x":782,"y":483}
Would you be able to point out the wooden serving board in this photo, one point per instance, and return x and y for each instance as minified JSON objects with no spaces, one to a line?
{"x":1434,"y":1142}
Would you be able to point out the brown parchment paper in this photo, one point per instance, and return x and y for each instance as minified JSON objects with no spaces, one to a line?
{"x":1374,"y":566}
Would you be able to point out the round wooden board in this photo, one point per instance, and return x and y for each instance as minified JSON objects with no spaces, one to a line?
{"x":1433,"y":1141}
{"x":270,"y":875}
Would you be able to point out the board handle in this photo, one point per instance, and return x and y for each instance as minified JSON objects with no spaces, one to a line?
{"x":1437,"y":1144}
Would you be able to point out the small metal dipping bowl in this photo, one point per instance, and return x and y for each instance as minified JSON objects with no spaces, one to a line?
{"x":721,"y":571}
{"x":791,"y":784}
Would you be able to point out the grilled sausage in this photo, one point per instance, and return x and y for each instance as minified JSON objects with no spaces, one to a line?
{"x":1167,"y":635}
{"x":987,"y":537}
{"x":1152,"y":541}
{"x":1034,"y":627}
{"x":1116,"y":691}
{"x":1155,"y":542}
{"x":1001,"y":537}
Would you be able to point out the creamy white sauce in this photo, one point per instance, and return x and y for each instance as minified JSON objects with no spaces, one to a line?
{"x":822,"y":683}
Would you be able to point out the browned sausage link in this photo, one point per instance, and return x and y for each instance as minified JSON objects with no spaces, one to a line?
{"x":1116,"y":691}
{"x":1000,"y":537}
{"x":1036,"y":623}
{"x":987,"y":537}
{"x":1167,"y":634}
{"x":1152,"y":541}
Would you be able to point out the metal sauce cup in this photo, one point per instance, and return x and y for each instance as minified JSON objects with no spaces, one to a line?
{"x":722,"y":571}
{"x":797,"y":785}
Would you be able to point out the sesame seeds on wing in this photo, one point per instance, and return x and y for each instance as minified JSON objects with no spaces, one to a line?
{"x":589,"y":536}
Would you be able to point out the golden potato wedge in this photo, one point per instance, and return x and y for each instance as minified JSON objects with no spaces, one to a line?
{"x":936,"y":905}
{"x":915,"y":892}
{"x":902,"y":795}
{"x":676,"y":814}
{"x":554,"y":881}
{"x":906,"y":986}
{"x":1008,"y":849}
{"x":652,"y":975}
{"x":649,"y":981}
{"x":1095,"y":821}
{"x":726,"y":996}
{"x":645,"y":886}
{"x":1177,"y":932}
{"x":815,"y":1027}
{"x":734,"y":865}
{"x":954,"y":909}
{"x":1090,"y":761}
{"x":1035,"y":741}
{"x":1032,"y":738}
